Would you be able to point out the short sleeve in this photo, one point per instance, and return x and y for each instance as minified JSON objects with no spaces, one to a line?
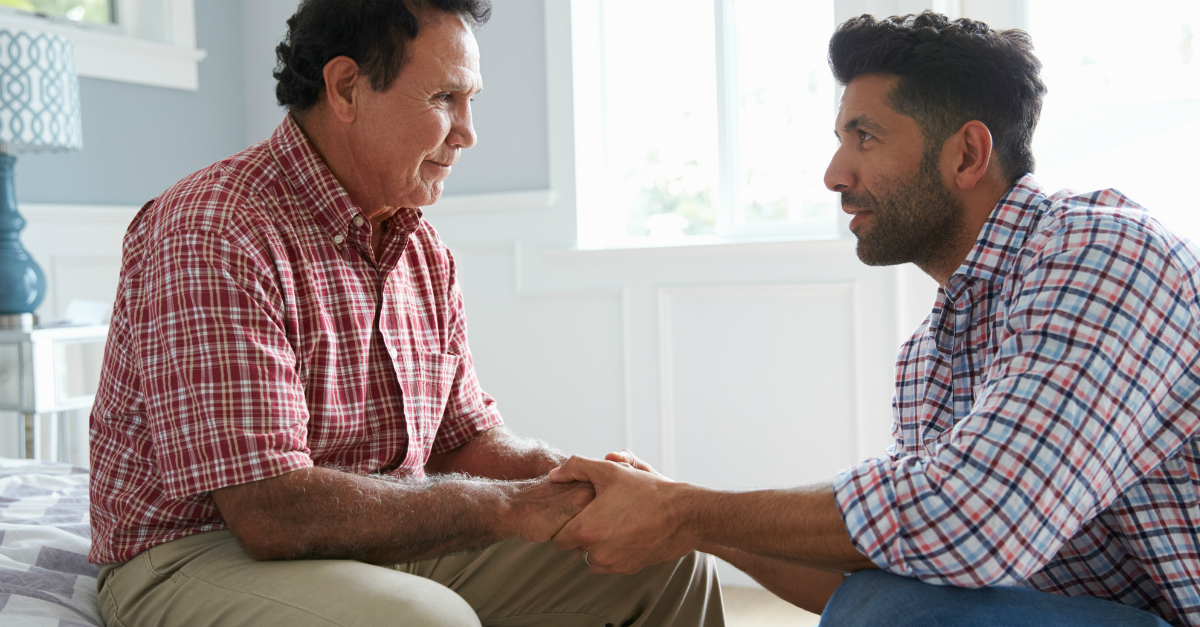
{"x":224,"y":402}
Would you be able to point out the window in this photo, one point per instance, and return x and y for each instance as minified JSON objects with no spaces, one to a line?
{"x":702,"y":120}
{"x":91,"y":11}
{"x":1123,"y":108}
{"x":705,"y":118}
{"x":149,"y":42}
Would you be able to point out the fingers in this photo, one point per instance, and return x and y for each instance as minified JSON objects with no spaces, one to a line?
{"x":567,"y":538}
{"x":577,"y":468}
{"x":625,"y":456}
{"x":543,"y":508}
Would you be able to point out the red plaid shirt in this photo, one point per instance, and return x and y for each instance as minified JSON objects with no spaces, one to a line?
{"x":255,"y":333}
{"x":1047,"y":414}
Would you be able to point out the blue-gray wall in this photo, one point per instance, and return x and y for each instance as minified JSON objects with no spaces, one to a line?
{"x":139,"y":140}
{"x":510,"y":113}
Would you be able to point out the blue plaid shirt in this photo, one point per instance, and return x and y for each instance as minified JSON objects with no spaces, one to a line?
{"x":1046,"y":414}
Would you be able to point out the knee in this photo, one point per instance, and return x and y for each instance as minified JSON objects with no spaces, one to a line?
{"x":400,"y":598}
{"x":701,"y":563}
{"x":423,"y":602}
{"x":699,"y":568}
{"x":874,"y":597}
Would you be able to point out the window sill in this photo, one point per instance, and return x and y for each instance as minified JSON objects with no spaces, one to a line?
{"x":118,"y":58}
{"x":703,"y":246}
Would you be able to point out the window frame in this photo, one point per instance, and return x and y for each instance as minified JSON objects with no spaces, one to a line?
{"x":114,"y":53}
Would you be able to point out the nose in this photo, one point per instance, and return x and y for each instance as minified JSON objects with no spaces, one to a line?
{"x":839,"y":176}
{"x":462,"y":130}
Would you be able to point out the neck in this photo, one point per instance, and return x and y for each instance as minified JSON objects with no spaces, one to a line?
{"x":978,"y":204}
{"x":332,"y":145}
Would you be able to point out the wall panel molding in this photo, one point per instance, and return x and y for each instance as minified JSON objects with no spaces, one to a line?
{"x":738,"y":362}
{"x":500,"y":202}
{"x":79,"y":249}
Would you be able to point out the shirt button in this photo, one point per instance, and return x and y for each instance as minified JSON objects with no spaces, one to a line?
{"x":338,"y":239}
{"x":358,"y":221}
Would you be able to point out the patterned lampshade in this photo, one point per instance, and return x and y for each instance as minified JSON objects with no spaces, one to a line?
{"x":39,"y":93}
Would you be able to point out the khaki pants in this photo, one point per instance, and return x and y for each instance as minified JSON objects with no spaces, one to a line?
{"x":208,"y":580}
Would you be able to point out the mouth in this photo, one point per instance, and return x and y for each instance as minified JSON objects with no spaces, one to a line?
{"x":858,"y":217}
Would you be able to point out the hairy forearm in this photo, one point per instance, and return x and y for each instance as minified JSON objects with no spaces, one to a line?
{"x":804,"y":587}
{"x":500,"y":454}
{"x":327,"y":513}
{"x":800,"y":525}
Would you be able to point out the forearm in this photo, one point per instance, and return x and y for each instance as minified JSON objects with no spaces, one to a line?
{"x":326,"y":513}
{"x":804,"y":587}
{"x":800,"y":525}
{"x":499,"y":454}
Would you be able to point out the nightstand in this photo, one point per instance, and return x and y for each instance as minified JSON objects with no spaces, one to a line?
{"x":48,"y":380}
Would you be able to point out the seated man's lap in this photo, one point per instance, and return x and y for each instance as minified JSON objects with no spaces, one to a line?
{"x":207,"y":579}
{"x":878,"y":598}
{"x":533,"y":585}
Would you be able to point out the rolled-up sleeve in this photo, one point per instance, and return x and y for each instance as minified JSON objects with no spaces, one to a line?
{"x":1092,"y":386}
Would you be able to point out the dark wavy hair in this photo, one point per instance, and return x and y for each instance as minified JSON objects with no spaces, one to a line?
{"x":949,"y":73}
{"x":372,"y":32}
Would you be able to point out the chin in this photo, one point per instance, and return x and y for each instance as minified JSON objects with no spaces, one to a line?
{"x":422,"y":197}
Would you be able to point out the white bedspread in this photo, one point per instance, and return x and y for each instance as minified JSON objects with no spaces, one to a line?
{"x":45,"y":578}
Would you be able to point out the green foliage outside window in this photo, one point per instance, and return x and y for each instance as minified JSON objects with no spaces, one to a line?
{"x":98,"y":11}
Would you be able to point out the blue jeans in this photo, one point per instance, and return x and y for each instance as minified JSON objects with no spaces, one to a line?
{"x":875,"y":598}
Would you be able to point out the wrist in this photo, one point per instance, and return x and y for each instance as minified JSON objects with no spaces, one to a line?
{"x":685,"y":504}
{"x":509,"y":509}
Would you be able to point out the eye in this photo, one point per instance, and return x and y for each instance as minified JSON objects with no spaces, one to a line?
{"x":864,"y":136}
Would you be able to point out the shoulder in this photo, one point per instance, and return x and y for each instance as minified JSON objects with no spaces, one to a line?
{"x":1103,"y":252}
{"x":211,"y":198}
{"x":1106,"y":231}
{"x":224,"y":200}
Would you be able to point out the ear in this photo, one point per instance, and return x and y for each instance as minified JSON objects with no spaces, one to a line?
{"x":342,"y":81}
{"x":967,"y":154}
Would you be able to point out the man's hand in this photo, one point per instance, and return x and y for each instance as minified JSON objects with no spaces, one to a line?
{"x":634,"y":520}
{"x":626,"y":456}
{"x":540,"y":507}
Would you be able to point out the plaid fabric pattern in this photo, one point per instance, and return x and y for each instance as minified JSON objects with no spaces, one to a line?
{"x":1046,"y":414}
{"x":255,"y":333}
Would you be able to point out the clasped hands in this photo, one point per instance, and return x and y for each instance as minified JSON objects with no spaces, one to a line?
{"x":635,"y":520}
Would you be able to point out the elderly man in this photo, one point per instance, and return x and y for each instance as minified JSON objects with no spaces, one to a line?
{"x":289,"y":430}
{"x":1045,"y":468}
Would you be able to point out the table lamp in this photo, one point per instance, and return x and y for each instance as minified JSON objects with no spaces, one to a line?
{"x":39,"y":112}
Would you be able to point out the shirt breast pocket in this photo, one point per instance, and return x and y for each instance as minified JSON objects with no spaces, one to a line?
{"x":427,"y":380}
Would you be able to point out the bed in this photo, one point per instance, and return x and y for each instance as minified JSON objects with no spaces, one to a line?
{"x":45,"y":578}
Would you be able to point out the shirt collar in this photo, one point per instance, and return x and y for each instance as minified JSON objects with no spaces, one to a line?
{"x":321,"y":193}
{"x":1002,"y":236}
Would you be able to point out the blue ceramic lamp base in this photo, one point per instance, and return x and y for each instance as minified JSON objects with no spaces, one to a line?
{"x":22,"y":282}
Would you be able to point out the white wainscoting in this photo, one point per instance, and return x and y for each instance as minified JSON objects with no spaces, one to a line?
{"x":761,"y":376}
{"x":79,"y":250}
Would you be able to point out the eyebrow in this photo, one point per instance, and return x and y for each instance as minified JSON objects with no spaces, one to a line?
{"x":859,"y":122}
{"x":456,"y":87}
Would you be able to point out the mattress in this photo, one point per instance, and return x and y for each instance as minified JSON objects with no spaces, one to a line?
{"x":45,"y":578}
